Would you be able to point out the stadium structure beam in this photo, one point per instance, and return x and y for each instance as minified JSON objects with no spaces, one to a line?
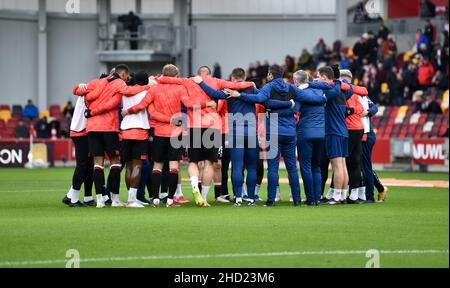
{"x":341,"y":20}
{"x":42,"y":55}
{"x":138,"y":7}
{"x":182,"y":23}
{"x":104,"y":21}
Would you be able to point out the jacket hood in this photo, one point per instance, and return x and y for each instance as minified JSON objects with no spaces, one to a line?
{"x":280,"y":86}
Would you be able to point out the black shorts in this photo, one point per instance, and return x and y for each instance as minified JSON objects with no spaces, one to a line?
{"x":134,"y":150}
{"x":201,"y":151}
{"x":104,"y":142}
{"x":164,"y":151}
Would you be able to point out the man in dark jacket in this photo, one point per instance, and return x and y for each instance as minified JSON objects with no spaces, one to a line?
{"x":284,"y":125}
{"x":310,"y":142}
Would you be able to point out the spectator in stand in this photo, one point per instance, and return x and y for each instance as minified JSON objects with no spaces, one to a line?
{"x":361,"y":49}
{"x":396,"y":89}
{"x":131,"y":23}
{"x":361,"y":14}
{"x":440,"y":81}
{"x":383,"y":32}
{"x":289,"y":64}
{"x":217,"y":72}
{"x":262,"y":69}
{"x":43,"y":128}
{"x":429,"y":32}
{"x":346,"y":62}
{"x":373,"y":47}
{"x":253,"y":77}
{"x":305,"y":60}
{"x":68,"y":110}
{"x":431,"y":106}
{"x":392,"y":45}
{"x":407,"y":94}
{"x":421,"y":39}
{"x":251,"y":69}
{"x":427,"y":9}
{"x":410,"y":76}
{"x":337,"y":47}
{"x":417,"y":99}
{"x":30,"y":111}
{"x":425,"y":74}
{"x":265,"y":69}
{"x":21,"y":130}
{"x":319,"y":50}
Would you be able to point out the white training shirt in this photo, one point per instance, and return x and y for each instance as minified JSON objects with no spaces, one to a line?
{"x":78,"y":123}
{"x":365,"y":120}
{"x":138,"y":120}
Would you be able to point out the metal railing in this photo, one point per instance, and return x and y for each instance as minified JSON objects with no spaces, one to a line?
{"x":158,"y":38}
{"x":396,"y":26}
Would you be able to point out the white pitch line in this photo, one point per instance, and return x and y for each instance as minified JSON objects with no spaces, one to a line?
{"x":231,"y":255}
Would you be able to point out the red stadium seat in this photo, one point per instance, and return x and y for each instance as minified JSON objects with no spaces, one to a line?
{"x":4,"y":107}
{"x":443,"y":130}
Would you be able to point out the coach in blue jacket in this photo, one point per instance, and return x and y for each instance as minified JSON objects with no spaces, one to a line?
{"x":278,"y":90}
{"x":310,"y":142}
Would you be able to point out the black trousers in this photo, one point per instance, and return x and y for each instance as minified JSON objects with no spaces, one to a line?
{"x":84,"y":167}
{"x":354,"y":157}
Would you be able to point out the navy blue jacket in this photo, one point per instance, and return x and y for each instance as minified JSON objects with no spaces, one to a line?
{"x":245,"y":125}
{"x":312,"y":119}
{"x":286,"y":122}
{"x":335,"y":107}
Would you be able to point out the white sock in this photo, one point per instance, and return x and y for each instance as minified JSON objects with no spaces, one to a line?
{"x":354,"y":194}
{"x":337,"y":194}
{"x":75,"y":196}
{"x":330,"y":193}
{"x":257,"y":187}
{"x":115,"y":197}
{"x":132,"y":195}
{"x":179,"y":192}
{"x":88,"y":199}
{"x":100,"y":199}
{"x":194,"y":182}
{"x":362,"y":193}
{"x":205,"y":191}
{"x":105,"y":198}
{"x":344,"y":194}
{"x":69,"y":194}
{"x":163,"y":195}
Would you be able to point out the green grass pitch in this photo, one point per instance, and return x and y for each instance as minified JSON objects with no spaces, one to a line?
{"x":35,"y":226}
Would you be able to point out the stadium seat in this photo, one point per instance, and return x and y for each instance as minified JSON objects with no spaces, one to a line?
{"x":55,"y":112}
{"x":443,"y":130}
{"x":5,"y":115}
{"x":428,"y":126}
{"x":4,"y":107}
{"x":44,"y":113}
{"x":384,"y":88}
{"x":414,"y":118}
{"x":17,"y":111}
{"x":402,"y":110}
{"x":445,"y":100}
